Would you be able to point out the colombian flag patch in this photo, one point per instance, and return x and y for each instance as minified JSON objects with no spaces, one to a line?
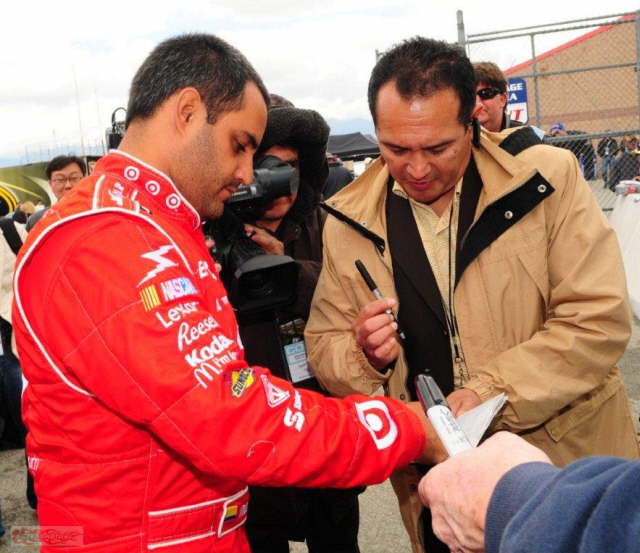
{"x":231,"y":513}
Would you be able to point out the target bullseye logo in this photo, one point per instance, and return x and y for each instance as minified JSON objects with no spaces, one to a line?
{"x":153,"y":187}
{"x":375,"y":417}
{"x":374,"y":422}
{"x":131,"y":172}
{"x":173,"y":201}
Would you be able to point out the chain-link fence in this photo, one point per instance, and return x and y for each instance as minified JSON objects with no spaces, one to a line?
{"x":579,"y":81}
{"x":45,"y":150}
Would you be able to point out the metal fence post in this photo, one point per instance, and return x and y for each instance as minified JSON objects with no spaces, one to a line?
{"x":535,"y":78}
{"x":461,"y":36}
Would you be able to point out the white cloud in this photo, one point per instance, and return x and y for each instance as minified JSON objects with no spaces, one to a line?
{"x":319,"y":54}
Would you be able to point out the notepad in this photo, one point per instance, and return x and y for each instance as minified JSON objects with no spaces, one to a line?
{"x":475,"y":422}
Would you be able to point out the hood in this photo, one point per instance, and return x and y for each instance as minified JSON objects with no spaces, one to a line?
{"x":307,"y":132}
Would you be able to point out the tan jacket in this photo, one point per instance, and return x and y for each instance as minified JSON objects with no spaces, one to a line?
{"x":542,"y":311}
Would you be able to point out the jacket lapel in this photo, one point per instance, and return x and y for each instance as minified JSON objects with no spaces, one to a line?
{"x":408,"y":253}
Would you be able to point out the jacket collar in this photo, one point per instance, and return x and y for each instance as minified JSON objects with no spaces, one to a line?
{"x":500,"y":172}
{"x":159,"y":191}
{"x":364,"y":199}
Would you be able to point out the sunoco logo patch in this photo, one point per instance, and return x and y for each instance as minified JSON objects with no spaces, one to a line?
{"x":240,"y":381}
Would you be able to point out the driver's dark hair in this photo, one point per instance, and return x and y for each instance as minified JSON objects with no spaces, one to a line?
{"x":421,"y":66}
{"x":205,"y":62}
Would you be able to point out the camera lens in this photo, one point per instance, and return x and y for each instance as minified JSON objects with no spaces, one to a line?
{"x":257,"y":284}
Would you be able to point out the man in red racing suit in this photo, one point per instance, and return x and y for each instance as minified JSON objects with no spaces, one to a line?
{"x":145,"y":423}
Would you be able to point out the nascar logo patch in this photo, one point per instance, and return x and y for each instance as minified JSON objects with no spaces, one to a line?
{"x":177,"y":288}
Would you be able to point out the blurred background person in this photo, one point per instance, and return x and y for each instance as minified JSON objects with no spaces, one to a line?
{"x":339,"y":176}
{"x":627,"y":166}
{"x":607,"y":150}
{"x":491,"y":97}
{"x":12,"y":429}
{"x":581,"y":147}
{"x":63,"y":172}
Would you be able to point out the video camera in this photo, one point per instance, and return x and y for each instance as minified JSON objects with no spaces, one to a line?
{"x":114,"y":134}
{"x":255,"y":280}
{"x":272,"y":178}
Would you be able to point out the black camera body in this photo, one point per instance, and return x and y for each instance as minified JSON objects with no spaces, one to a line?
{"x":113,"y":135}
{"x":255,"y":281}
{"x":272,"y":178}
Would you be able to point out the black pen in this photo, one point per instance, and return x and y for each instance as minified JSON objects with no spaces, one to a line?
{"x":376,"y":292}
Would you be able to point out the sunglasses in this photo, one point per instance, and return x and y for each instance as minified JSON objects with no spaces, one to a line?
{"x":487,"y":93}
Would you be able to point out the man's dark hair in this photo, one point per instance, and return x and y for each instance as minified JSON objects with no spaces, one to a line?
{"x":214,"y":68}
{"x":60,"y":162}
{"x":490,"y":74}
{"x":421,"y":66}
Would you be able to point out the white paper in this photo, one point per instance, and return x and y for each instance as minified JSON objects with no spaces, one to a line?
{"x":475,"y":422}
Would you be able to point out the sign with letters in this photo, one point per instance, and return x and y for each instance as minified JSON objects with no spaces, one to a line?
{"x":517,"y":99}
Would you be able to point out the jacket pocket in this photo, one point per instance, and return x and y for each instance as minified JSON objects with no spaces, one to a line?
{"x":583,"y":408}
{"x":534,"y":263}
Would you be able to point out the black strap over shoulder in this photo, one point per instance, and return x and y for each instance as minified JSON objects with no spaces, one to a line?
{"x":520,"y":140}
{"x":11,"y":234}
{"x":377,"y":240}
{"x":420,"y":310}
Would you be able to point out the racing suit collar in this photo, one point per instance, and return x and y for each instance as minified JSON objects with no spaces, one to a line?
{"x":151,"y":182}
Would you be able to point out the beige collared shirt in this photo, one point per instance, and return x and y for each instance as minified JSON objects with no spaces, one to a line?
{"x":434,"y":233}
{"x":440,"y":249}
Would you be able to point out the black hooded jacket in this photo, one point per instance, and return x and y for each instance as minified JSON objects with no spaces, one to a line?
{"x":300,"y":231}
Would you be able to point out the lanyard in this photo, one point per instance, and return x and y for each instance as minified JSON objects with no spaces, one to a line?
{"x":449,"y":310}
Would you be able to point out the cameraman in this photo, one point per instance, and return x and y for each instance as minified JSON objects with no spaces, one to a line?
{"x":292,"y":225}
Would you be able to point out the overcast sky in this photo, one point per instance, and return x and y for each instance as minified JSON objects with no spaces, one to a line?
{"x":66,"y":65}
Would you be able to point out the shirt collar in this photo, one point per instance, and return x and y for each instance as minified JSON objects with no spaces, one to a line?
{"x":440,"y":222}
{"x":151,"y":182}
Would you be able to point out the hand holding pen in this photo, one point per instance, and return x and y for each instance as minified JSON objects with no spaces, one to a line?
{"x":376,"y":329}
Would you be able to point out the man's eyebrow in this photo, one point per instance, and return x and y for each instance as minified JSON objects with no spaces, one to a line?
{"x":251,"y":139}
{"x":431,"y":147}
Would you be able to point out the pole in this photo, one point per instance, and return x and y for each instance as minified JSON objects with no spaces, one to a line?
{"x":461,"y":36}
{"x":75,"y":81}
{"x":535,"y":79}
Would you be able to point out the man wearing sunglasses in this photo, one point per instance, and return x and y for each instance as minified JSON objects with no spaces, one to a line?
{"x":491,"y":97}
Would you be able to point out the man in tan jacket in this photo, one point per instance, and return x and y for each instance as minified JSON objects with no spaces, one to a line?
{"x":502,"y":269}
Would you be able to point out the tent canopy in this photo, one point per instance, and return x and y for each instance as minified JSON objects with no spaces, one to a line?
{"x":353,"y":145}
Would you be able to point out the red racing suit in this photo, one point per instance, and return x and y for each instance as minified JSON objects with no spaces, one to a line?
{"x":145,"y":422}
